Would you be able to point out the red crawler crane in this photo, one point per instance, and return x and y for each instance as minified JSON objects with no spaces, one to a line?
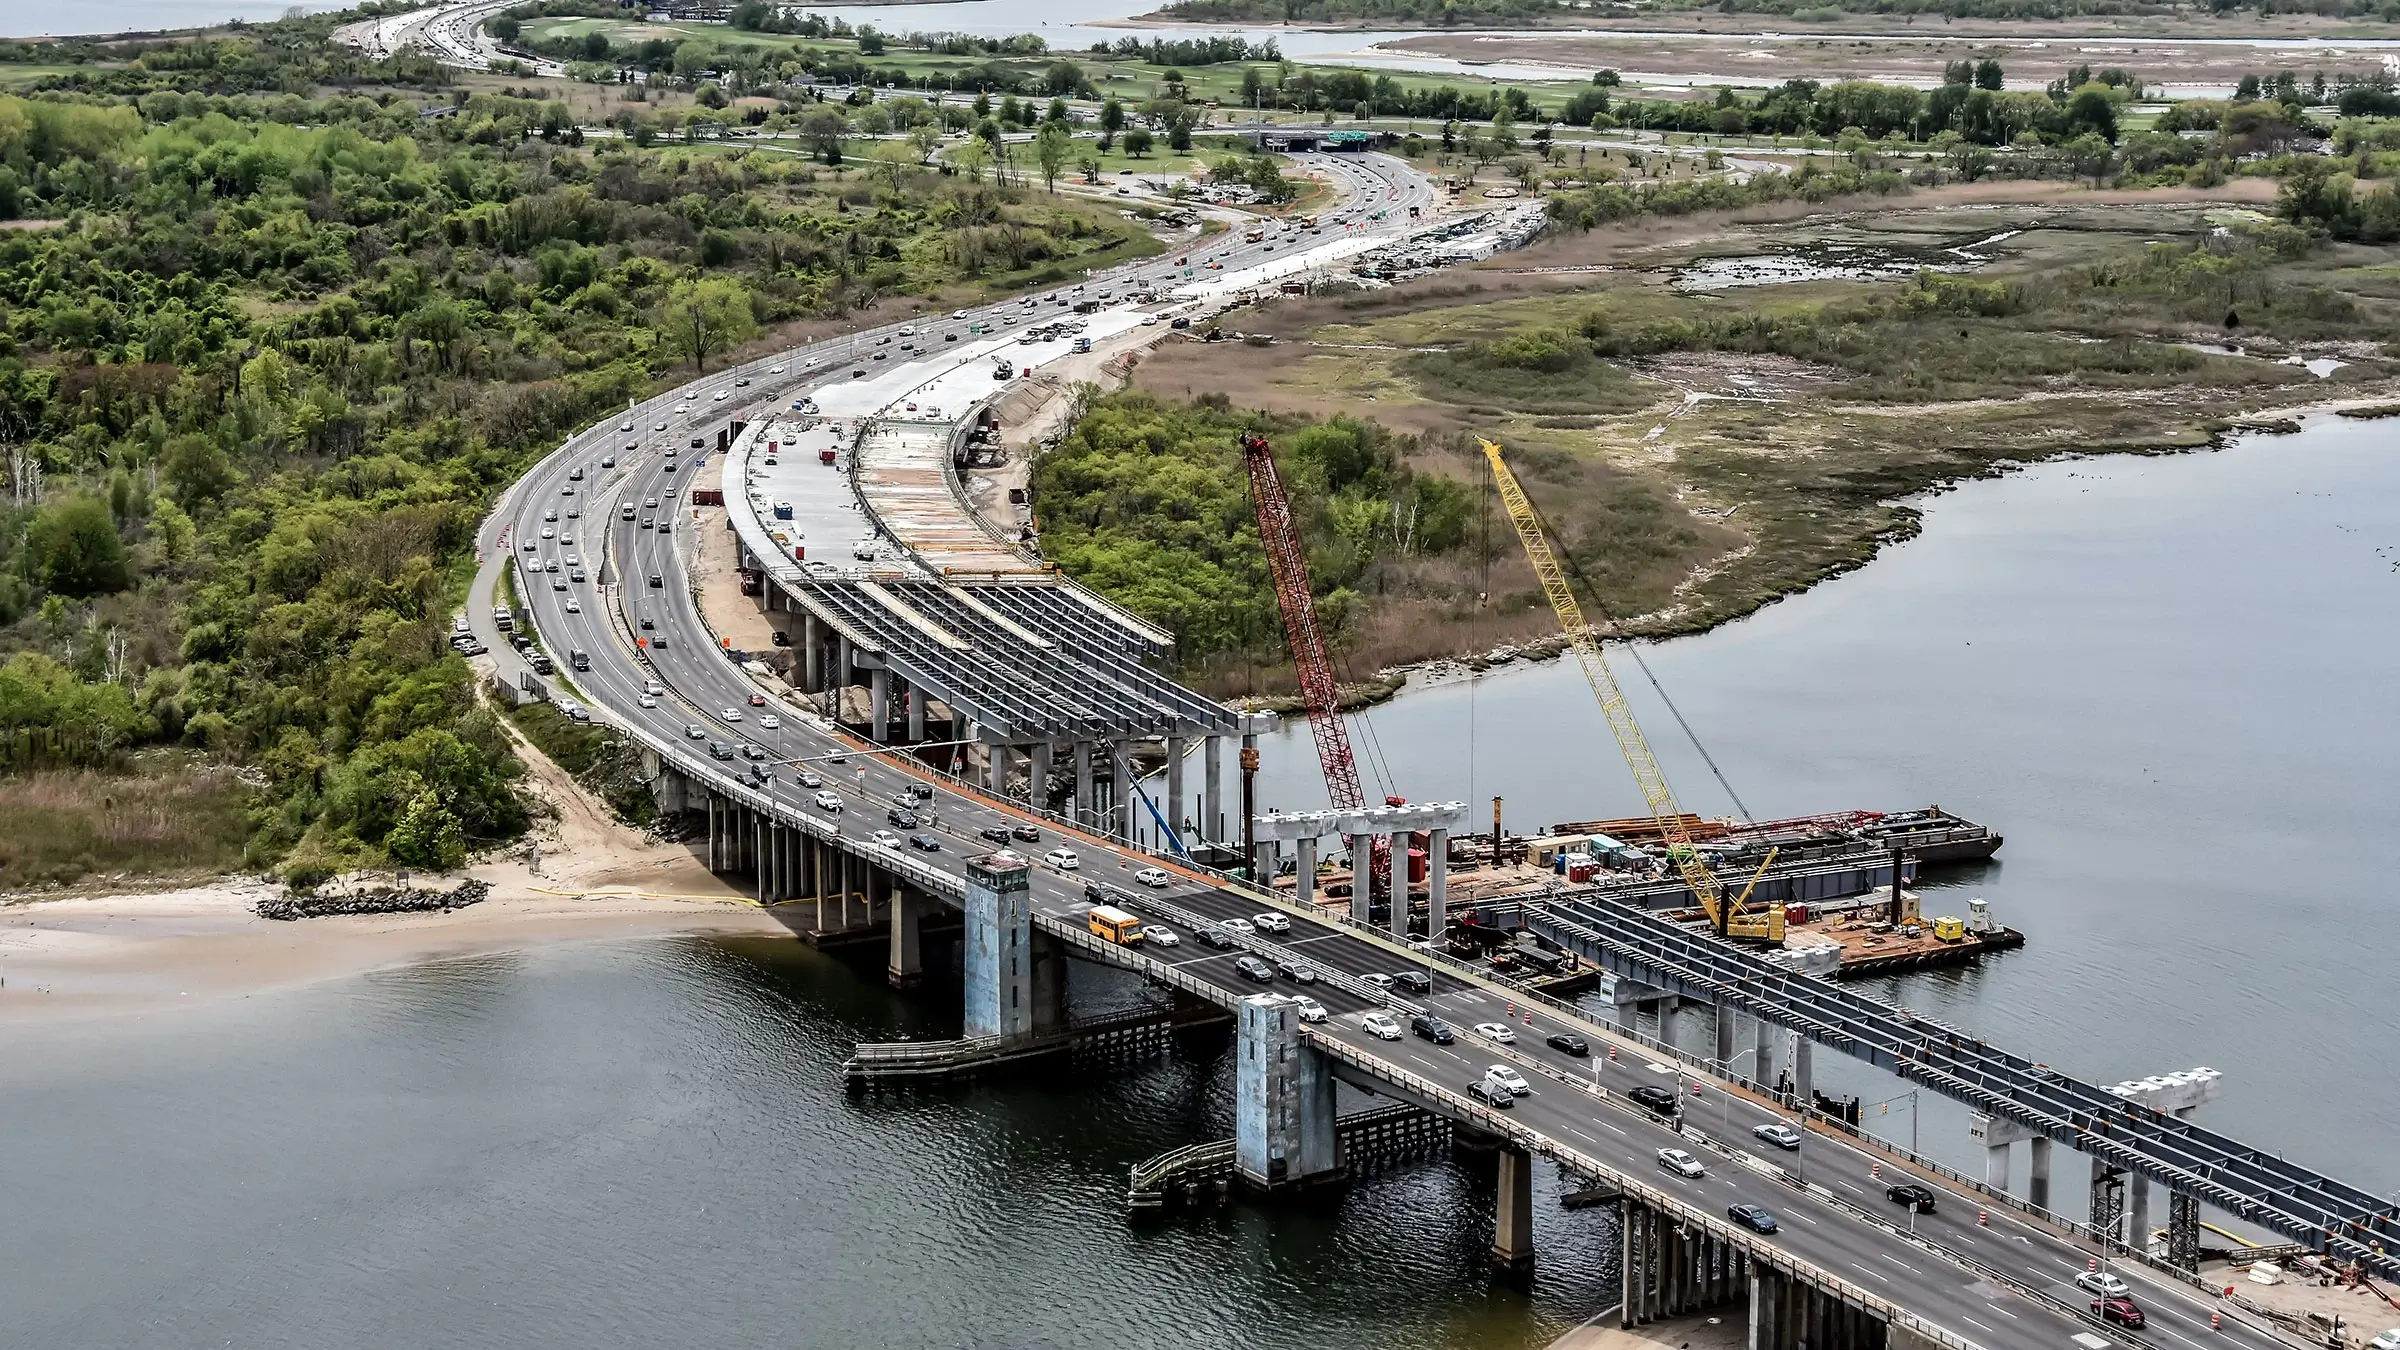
{"x":1307,"y":642}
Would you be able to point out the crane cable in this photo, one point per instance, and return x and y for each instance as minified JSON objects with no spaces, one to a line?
{"x":1632,"y":649}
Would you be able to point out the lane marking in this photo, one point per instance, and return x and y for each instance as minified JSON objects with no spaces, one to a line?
{"x":1973,"y":1323}
{"x":1875,"y":1273}
{"x":1900,"y":1263}
{"x":2000,"y":1310}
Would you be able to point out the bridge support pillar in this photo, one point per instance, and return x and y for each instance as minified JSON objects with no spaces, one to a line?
{"x":812,"y":655}
{"x":2038,"y":1186}
{"x":1399,"y":887}
{"x":1995,"y":1167}
{"x":917,"y":699}
{"x":905,"y":967}
{"x":1121,"y":815}
{"x":2183,"y":1230}
{"x":1724,"y":1027}
{"x":844,"y":670}
{"x":879,"y":704}
{"x":1765,"y":1036}
{"x":1306,"y":877}
{"x":1670,"y":1020}
{"x":1283,"y":1136}
{"x":1804,"y":1071}
{"x":1083,"y":784}
{"x":1176,"y":805}
{"x":1512,"y":1220}
{"x":1038,"y":790}
{"x":999,"y":949}
{"x":2108,"y":1202}
{"x":2137,"y":1213}
{"x":1212,"y":790}
{"x":1437,"y":885}
{"x":1362,"y":877}
{"x":995,"y":768}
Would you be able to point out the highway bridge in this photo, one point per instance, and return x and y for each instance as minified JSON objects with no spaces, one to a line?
{"x":1847,"y":1267}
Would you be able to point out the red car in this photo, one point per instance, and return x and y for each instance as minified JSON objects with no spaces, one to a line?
{"x":2121,"y":1310}
{"x":758,"y":700}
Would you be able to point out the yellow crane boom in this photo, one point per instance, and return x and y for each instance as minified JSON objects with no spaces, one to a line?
{"x":1729,"y":915}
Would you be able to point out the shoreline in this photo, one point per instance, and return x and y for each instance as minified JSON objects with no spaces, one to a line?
{"x":1393,"y":682}
{"x":1694,"y":24}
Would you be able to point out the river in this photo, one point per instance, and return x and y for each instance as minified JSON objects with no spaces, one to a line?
{"x":2168,"y":680}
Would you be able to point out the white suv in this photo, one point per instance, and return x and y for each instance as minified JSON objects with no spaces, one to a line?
{"x":1311,"y":1010}
{"x":1509,"y":1078}
{"x":1381,"y":1026}
{"x":827,"y":801}
{"x":1063,"y":859}
{"x":1152,"y":876}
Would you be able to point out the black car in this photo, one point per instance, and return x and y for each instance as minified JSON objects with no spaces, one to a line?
{"x":1295,"y":972}
{"x":1483,"y":1090}
{"x":1757,"y":1218}
{"x":1216,"y":937}
{"x":1414,"y":981}
{"x":924,"y":843}
{"x":1568,"y":1043}
{"x":1432,"y":1028}
{"x":648,"y":624}
{"x":903,"y":820}
{"x":719,"y":750}
{"x":1656,"y":1098}
{"x":1255,"y":970}
{"x":1915,"y":1196}
{"x":1025,"y":834}
{"x":998,"y":834}
{"x":657,"y":581}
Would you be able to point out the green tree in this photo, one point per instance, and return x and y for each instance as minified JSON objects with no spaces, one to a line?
{"x":1050,"y":150}
{"x":74,"y":549}
{"x":1137,"y":142}
{"x":1112,"y":116}
{"x":703,"y":316}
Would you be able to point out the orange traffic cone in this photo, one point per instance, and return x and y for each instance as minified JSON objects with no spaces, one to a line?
{"x":1983,"y":1218}
{"x":2091,"y":1265}
{"x":1875,"y":1172}
{"x":2216,"y":1321}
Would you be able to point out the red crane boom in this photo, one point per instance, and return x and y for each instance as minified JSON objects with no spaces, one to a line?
{"x":1300,"y":626}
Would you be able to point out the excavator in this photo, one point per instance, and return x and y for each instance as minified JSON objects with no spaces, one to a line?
{"x":1730,"y":915}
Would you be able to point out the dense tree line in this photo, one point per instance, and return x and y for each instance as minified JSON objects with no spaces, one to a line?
{"x":264,"y":358}
{"x":1531,"y":13}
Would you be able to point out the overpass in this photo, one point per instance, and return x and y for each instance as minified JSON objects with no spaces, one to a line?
{"x":1845,"y":1269}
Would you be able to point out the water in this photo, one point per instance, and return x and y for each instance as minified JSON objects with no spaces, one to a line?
{"x":126,"y":16}
{"x":2169,"y":681}
{"x":647,"y":1143}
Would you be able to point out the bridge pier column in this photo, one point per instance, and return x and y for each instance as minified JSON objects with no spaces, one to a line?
{"x":1670,"y":1018}
{"x":845,"y":669}
{"x":879,"y":704}
{"x":2137,"y":1213}
{"x":1437,"y":885}
{"x":1995,"y":1167}
{"x":1362,"y":874}
{"x":1212,"y":789}
{"x":904,"y":966}
{"x":1804,"y":1071}
{"x":1724,"y":1020}
{"x":917,"y":699}
{"x":1283,"y":1135}
{"x":999,"y":949}
{"x":1306,"y":876}
{"x":2038,"y":1191}
{"x":1399,"y":888}
{"x":1037,"y":788}
{"x":1121,"y":817}
{"x":1767,"y":1034}
{"x":1083,"y":783}
{"x":995,"y":768}
{"x":1759,"y":1336}
{"x":1512,"y":1221}
{"x":812,"y":655}
{"x":1176,"y":805}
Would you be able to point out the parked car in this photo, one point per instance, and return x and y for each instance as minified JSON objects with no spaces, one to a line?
{"x":1912,"y":1194}
{"x":1568,"y":1043}
{"x":1681,"y":1163}
{"x":1432,"y":1028}
{"x":1778,"y":1134}
{"x":1757,"y":1218}
{"x":1253,"y":969}
{"x":1381,"y":1026}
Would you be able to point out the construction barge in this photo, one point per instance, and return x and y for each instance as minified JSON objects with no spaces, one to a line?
{"x":1843,"y":880}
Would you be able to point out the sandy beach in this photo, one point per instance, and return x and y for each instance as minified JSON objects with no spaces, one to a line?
{"x":580,"y":876}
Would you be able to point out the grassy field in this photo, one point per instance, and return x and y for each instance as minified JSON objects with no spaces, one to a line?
{"x":170,"y":817}
{"x":1702,"y":452}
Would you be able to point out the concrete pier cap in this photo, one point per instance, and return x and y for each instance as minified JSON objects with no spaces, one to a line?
{"x":1370,"y":821}
{"x":2171,"y":1092}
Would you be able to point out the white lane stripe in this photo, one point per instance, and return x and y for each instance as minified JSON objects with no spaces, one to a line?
{"x":2002,"y":1311}
{"x":1875,"y":1273}
{"x":1973,"y":1323}
{"x":1900,"y":1263}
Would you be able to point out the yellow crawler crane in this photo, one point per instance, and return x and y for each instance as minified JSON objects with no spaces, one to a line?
{"x":1730,"y":916}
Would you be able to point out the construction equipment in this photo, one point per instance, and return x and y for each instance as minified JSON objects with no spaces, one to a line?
{"x":1729,"y":915}
{"x":1300,"y":629}
{"x":1307,"y":642}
